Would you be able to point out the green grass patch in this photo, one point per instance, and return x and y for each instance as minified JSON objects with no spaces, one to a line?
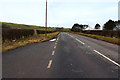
{"x":24,"y":26}
{"x":8,"y":45}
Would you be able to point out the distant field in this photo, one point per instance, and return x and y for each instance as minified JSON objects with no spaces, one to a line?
{"x":23,"y":26}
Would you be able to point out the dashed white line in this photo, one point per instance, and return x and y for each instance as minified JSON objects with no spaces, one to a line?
{"x":71,"y":36}
{"x":57,"y":38}
{"x":80,"y":41}
{"x":107,"y":58}
{"x":49,"y":64}
{"x":59,"y":35}
{"x":54,"y":47}
{"x":88,"y":46}
{"x":56,"y":43}
{"x":53,"y":53}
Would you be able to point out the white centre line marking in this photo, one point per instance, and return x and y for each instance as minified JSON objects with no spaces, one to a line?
{"x":56,"y":43}
{"x":107,"y":58}
{"x":54,"y":47}
{"x":58,"y":38}
{"x":49,"y":64}
{"x":53,"y":53}
{"x":80,"y":41}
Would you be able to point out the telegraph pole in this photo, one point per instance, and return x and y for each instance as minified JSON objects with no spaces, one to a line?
{"x":46,"y":19}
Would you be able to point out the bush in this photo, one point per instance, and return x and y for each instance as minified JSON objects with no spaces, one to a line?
{"x":13,"y":34}
{"x":43,"y":32}
{"x":107,"y":33}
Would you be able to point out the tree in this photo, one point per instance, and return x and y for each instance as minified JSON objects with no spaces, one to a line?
{"x":117,"y":23}
{"x":76,"y":27}
{"x":110,"y":25}
{"x":84,"y":27}
{"x":97,"y":26}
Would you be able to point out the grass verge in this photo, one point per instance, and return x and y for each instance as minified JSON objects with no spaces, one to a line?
{"x":103,"y":38}
{"x":8,"y":45}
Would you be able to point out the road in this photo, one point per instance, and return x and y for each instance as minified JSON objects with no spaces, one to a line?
{"x":69,"y":56}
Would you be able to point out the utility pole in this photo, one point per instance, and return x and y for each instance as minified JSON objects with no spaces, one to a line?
{"x":46,"y":19}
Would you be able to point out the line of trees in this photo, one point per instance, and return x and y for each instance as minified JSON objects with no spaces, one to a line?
{"x":112,"y":25}
{"x":109,"y":25}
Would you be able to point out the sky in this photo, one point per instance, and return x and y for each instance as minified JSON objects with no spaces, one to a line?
{"x":63,"y":13}
{"x":119,"y":10}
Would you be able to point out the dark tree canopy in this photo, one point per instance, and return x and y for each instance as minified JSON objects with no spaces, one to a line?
{"x":97,"y":26}
{"x":110,"y":25}
{"x":78,"y":27}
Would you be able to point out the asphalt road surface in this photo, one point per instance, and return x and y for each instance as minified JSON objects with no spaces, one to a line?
{"x":67,"y":56}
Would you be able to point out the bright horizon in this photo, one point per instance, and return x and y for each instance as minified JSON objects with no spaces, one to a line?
{"x":60,"y":13}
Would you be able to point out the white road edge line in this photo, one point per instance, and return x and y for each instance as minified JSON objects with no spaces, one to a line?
{"x":49,"y":65}
{"x":70,"y":36}
{"x":107,"y":58}
{"x":77,"y":39}
{"x":53,"y":52}
{"x":80,"y":41}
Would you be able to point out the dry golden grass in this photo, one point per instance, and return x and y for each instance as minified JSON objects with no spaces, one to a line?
{"x":33,"y":39}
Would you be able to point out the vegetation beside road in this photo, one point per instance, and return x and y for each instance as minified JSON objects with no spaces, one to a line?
{"x":109,"y":33}
{"x":8,"y":45}
{"x":103,"y":38}
{"x":9,"y":34}
{"x":24,"y":26}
